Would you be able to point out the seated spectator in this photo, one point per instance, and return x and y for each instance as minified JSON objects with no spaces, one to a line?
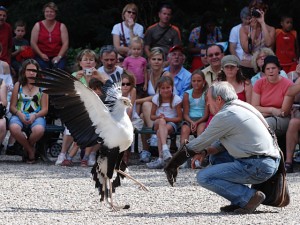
{"x":232,"y":74}
{"x":86,"y":61}
{"x":128,"y":90}
{"x":20,"y":48}
{"x":206,"y":34}
{"x":269,"y":96}
{"x":292,"y":134}
{"x":123,"y":32}
{"x":214,"y":54}
{"x":294,"y":75}
{"x":255,"y":36}
{"x":181,"y":76}
{"x":235,"y":47}
{"x":3,"y":105}
{"x":287,"y":47}
{"x":162,"y":34}
{"x":5,"y":75}
{"x":156,"y":62}
{"x":195,"y":110}
{"x":50,"y":39}
{"x":258,"y":61}
{"x":137,"y":65}
{"x":166,"y":113}
{"x":28,"y":105}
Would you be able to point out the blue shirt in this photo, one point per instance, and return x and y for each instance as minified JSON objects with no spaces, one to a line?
{"x":182,"y":81}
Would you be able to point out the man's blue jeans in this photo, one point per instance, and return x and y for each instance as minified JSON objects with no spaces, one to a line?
{"x":228,"y":176}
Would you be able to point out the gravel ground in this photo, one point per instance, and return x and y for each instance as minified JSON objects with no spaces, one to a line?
{"x":46,"y":194}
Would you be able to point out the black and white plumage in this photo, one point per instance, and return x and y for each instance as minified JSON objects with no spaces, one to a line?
{"x":90,"y":121}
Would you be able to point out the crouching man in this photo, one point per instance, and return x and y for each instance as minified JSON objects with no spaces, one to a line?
{"x":241,"y":148}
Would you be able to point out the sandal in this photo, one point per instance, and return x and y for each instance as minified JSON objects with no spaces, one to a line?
{"x":289,"y":167}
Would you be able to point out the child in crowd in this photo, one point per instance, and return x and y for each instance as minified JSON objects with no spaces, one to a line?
{"x":96,"y":85}
{"x":287,"y":48}
{"x":87,"y":60}
{"x":29,"y":106}
{"x":137,"y":64}
{"x":19,"y":43}
{"x":195,"y":110}
{"x":166,"y":113}
{"x":129,"y":91}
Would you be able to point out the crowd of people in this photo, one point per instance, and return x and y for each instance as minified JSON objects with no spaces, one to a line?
{"x":260,"y":64}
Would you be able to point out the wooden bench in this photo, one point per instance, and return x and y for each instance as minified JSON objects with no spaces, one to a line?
{"x":149,"y":130}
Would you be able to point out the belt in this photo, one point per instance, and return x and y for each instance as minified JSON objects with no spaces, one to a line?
{"x":258,"y":157}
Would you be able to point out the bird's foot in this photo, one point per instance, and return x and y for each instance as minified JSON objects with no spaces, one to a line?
{"x":142,"y":186}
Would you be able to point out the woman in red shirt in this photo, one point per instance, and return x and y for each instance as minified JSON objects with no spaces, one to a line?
{"x":50,"y":39}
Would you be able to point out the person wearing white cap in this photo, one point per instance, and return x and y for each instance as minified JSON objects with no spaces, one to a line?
{"x":231,"y":72}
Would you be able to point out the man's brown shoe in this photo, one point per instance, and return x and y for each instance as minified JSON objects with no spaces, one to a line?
{"x":229,"y":208}
{"x":253,"y":203}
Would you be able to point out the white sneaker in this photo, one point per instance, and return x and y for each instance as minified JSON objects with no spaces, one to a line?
{"x":166,"y":155}
{"x":92,"y":159}
{"x":61,"y":157}
{"x":157,"y":164}
{"x":153,"y":140}
{"x":145,"y":156}
{"x":297,"y":157}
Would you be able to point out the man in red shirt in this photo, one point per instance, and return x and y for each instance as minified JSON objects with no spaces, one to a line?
{"x":5,"y":36}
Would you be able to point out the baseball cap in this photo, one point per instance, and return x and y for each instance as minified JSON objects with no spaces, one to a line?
{"x":176,"y":47}
{"x":2,"y":8}
{"x":230,"y":60}
{"x":271,"y":59}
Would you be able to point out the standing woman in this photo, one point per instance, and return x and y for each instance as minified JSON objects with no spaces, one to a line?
{"x":50,"y":39}
{"x":123,"y":32}
{"x":28,"y":105}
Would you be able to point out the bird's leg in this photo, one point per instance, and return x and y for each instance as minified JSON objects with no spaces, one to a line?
{"x":114,"y":207}
{"x":142,"y":186}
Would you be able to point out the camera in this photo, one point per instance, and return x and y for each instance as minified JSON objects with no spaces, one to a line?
{"x":255,"y":13}
{"x":88,"y":72}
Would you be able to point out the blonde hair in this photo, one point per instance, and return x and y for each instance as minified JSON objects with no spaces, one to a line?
{"x":266,"y":51}
{"x":137,"y":40}
{"x":157,"y":51}
{"x":50,"y":5}
{"x":88,"y":52}
{"x":130,"y":6}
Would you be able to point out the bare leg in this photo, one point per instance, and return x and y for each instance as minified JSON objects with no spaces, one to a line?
{"x":2,"y":129}
{"x":185,"y":133}
{"x":292,"y":138}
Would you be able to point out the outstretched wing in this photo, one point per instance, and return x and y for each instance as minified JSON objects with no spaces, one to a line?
{"x":79,"y":107}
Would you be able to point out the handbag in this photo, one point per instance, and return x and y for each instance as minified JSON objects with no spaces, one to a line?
{"x":276,"y":187}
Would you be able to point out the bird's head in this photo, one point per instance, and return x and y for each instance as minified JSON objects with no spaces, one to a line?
{"x":126,"y":101}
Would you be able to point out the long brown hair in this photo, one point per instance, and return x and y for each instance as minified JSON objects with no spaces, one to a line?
{"x":168,"y":80}
{"x":22,"y":77}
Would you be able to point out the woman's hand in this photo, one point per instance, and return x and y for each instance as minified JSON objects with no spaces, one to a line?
{"x":193,"y":126}
{"x":276,"y":112}
{"x":44,"y":57}
{"x":79,"y":74}
{"x":130,"y":23}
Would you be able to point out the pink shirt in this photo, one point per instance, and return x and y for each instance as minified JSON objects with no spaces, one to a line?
{"x":271,"y":95}
{"x":137,"y":66}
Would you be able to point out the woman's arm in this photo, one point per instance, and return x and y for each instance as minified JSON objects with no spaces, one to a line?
{"x":266,"y":111}
{"x":65,"y":42}
{"x":153,"y":112}
{"x":268,"y":32}
{"x":34,"y":40}
{"x":14,"y":99}
{"x":248,"y":91}
{"x":133,"y":99}
{"x":244,"y":38}
{"x":3,"y":93}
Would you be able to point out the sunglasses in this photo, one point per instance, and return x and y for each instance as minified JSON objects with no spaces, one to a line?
{"x":131,"y":12}
{"x":126,"y":84}
{"x":214,"y":54}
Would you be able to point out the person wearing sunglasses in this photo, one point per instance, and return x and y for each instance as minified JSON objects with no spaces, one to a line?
{"x":214,"y":54}
{"x":126,"y":30}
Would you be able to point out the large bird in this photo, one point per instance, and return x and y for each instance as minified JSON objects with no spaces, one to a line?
{"x":90,"y":121}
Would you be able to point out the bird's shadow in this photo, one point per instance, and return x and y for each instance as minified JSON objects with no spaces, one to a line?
{"x":18,"y":209}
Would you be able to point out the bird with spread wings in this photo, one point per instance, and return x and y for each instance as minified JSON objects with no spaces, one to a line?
{"x":90,"y":121}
